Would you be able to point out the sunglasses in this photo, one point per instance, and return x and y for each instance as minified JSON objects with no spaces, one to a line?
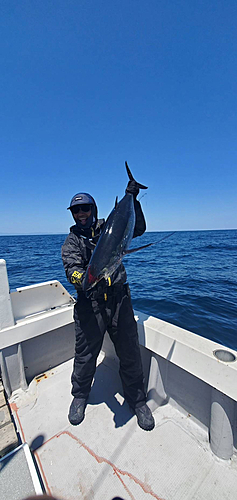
{"x":83,"y":207}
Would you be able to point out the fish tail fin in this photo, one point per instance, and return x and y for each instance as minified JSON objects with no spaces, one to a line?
{"x":131,"y":178}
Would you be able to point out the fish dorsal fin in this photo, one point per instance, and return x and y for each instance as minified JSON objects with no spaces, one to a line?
{"x":131,"y":178}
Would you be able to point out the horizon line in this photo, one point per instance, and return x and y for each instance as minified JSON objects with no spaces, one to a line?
{"x":155,"y":231}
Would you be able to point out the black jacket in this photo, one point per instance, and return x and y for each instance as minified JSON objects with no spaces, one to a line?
{"x":76,"y":251}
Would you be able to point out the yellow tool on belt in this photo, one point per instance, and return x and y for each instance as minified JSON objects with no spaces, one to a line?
{"x":109,"y":284}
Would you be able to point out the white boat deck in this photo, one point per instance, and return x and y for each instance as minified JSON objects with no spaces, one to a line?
{"x":191,"y":384}
{"x":108,"y":455}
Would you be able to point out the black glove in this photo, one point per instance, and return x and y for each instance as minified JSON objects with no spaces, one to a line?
{"x":132,"y":188}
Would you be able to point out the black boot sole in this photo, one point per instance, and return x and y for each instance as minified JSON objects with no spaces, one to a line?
{"x":76,"y":422}
{"x":146,"y":428}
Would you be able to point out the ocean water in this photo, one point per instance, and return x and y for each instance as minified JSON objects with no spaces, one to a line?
{"x":188,"y":279}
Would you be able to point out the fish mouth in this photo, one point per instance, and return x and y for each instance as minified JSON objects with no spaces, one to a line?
{"x":91,"y":280}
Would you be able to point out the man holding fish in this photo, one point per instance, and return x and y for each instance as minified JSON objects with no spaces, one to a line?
{"x":92,"y":257}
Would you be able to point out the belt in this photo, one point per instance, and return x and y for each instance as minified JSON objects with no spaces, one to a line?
{"x":104,"y":292}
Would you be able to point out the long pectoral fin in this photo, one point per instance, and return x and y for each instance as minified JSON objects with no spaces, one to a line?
{"x":149,"y":244}
{"x":132,"y":250}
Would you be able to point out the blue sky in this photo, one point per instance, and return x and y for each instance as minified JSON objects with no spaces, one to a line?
{"x":86,"y":85}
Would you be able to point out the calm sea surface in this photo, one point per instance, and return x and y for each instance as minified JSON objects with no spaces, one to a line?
{"x":189,"y":279}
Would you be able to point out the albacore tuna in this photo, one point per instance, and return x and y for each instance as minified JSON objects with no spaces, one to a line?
{"x":114,"y":241}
